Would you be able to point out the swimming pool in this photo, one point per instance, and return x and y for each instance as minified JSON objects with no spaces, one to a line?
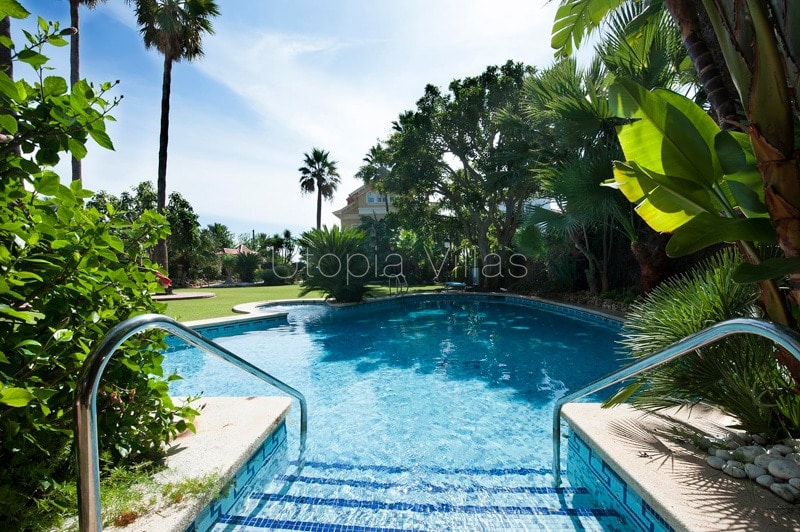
{"x":424,"y":413}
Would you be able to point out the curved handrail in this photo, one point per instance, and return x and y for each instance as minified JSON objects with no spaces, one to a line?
{"x":781,"y":335}
{"x":86,"y":402}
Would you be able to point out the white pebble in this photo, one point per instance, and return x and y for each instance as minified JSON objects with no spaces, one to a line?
{"x":716,"y":462}
{"x":764,"y":459}
{"x":765,"y":480}
{"x":725,"y":455}
{"x":784,"y":469}
{"x":748,"y":453}
{"x":782,"y":449}
{"x":733,"y":471}
{"x":784,"y":491}
{"x":754,"y":471}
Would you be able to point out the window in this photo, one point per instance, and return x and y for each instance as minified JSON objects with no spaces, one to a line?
{"x":374,"y":197}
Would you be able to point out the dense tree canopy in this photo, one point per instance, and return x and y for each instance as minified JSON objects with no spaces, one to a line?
{"x":452,"y":150}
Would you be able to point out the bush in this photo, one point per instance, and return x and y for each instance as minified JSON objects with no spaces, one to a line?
{"x":278,"y":275}
{"x":246,"y":266}
{"x":739,"y":374}
{"x":338,"y":264}
{"x":69,"y":274}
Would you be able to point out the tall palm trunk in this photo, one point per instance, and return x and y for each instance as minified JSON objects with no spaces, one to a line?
{"x":75,"y":68}
{"x":746,"y":32}
{"x":161,"y":256}
{"x":723,"y":102}
{"x":319,"y":204}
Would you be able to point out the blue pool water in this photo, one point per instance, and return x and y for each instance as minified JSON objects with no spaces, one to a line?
{"x":423,"y":414}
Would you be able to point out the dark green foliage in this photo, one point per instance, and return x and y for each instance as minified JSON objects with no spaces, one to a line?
{"x":246,"y":265}
{"x":69,"y":274}
{"x":738,"y":375}
{"x":338,"y":263}
{"x":278,"y":274}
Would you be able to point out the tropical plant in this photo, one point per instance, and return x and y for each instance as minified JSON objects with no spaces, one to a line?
{"x":75,"y":59}
{"x":69,"y":275}
{"x":246,"y":265}
{"x":737,"y":375}
{"x":319,"y":174}
{"x":682,"y":181}
{"x":454,"y":148}
{"x":175,"y":28}
{"x":183,"y":239}
{"x":338,"y":263}
{"x":376,"y":169}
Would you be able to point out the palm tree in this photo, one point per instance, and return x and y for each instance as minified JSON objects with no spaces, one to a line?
{"x":319,"y":173}
{"x":175,"y":28}
{"x":75,"y":60}
{"x":376,"y":168}
{"x":754,"y":70}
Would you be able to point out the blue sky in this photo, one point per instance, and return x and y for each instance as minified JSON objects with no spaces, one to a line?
{"x":279,"y":78}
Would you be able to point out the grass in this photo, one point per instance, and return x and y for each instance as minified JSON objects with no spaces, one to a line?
{"x":225,"y":299}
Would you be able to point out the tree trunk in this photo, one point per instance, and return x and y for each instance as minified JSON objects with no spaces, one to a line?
{"x":75,"y":67}
{"x":5,"y":53}
{"x":162,"y":257}
{"x":684,"y":13}
{"x":652,"y":260}
{"x":319,"y":205}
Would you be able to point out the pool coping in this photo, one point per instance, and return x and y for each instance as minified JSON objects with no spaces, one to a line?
{"x":229,"y":430}
{"x":674,"y":478}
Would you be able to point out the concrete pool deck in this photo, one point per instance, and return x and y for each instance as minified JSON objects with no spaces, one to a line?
{"x":674,"y":478}
{"x":229,"y":430}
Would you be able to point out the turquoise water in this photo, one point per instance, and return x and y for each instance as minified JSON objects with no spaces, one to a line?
{"x":422,"y":414}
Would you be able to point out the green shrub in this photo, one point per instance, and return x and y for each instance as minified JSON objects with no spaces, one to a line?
{"x":278,"y":275}
{"x":246,"y":265}
{"x":338,"y":263}
{"x":738,"y":375}
{"x":69,"y":274}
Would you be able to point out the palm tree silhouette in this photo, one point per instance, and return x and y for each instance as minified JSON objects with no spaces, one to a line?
{"x":175,"y":28}
{"x":319,"y":174}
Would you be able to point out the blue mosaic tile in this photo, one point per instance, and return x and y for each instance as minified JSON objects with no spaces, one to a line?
{"x":587,"y":468}
{"x":435,"y":507}
{"x":442,"y":470}
{"x":259,"y":463}
{"x":432,"y":488}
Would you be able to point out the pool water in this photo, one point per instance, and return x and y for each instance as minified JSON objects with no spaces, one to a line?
{"x":423,"y":414}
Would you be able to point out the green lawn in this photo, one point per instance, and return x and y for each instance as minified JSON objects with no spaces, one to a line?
{"x":221,"y":304}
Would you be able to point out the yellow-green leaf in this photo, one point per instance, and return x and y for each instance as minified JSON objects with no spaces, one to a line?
{"x":16,"y":397}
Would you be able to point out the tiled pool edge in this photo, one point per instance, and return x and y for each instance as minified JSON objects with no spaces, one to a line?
{"x":673,"y":481}
{"x":266,"y":456}
{"x":230,"y":432}
{"x":586,"y":468}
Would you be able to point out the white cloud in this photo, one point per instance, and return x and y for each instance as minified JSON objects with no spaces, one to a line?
{"x":278,"y":80}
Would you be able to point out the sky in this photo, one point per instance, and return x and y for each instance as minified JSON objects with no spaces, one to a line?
{"x":279,"y":78}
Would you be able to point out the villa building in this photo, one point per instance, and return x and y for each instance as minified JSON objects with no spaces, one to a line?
{"x":363,"y":201}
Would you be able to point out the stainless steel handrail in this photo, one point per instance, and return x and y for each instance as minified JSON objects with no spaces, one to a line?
{"x":86,"y":402}
{"x":781,"y":335}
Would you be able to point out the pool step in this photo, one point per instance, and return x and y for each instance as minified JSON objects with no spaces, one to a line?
{"x":377,"y":498}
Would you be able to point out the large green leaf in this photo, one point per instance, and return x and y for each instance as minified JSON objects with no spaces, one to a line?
{"x":736,"y":157}
{"x":706,"y":229}
{"x":16,"y":397}
{"x":664,"y":202}
{"x":575,"y":20}
{"x":769,"y":269}
{"x":670,"y":134}
{"x":12,"y":8}
{"x":8,"y":87}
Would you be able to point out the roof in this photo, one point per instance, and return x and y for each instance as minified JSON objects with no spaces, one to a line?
{"x":240,"y":249}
